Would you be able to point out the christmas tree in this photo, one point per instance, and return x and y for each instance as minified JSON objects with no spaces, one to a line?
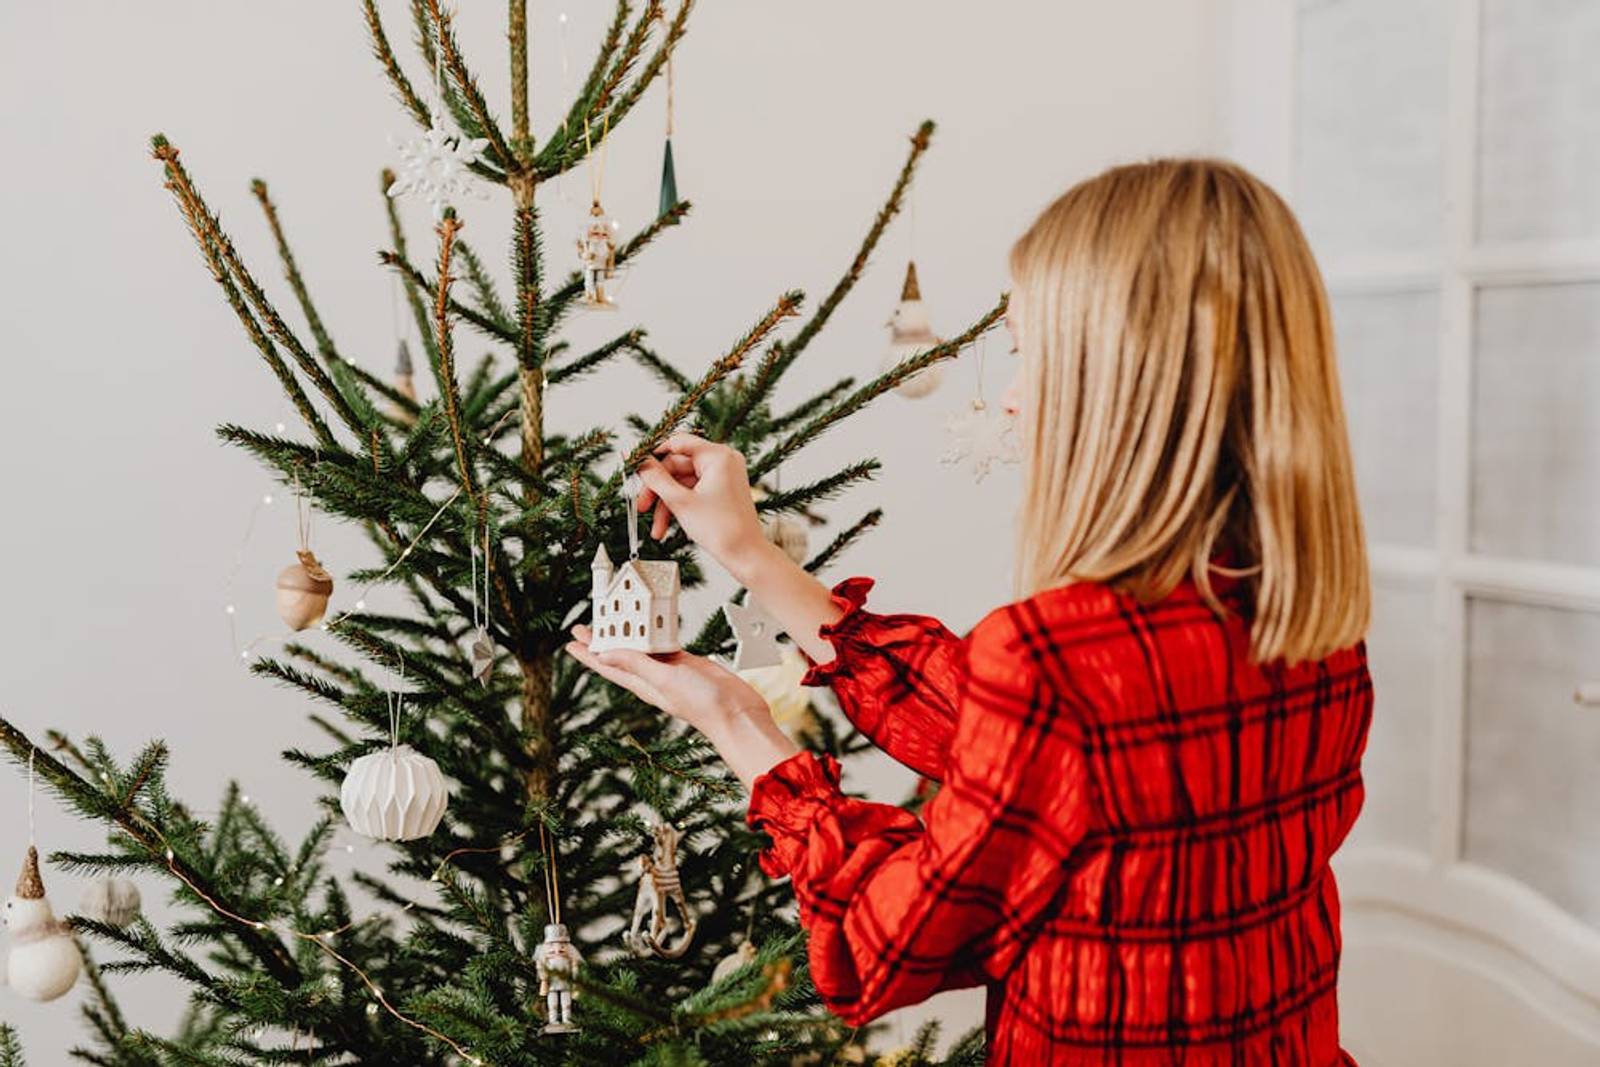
{"x":487,"y":523}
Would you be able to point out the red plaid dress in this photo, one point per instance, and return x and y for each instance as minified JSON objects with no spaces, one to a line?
{"x":1130,"y":844}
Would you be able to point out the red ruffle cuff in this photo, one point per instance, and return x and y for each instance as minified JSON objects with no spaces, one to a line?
{"x":785,"y":802}
{"x":850,"y":596}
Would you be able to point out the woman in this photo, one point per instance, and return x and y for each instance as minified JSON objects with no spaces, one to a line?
{"x":1148,"y":760}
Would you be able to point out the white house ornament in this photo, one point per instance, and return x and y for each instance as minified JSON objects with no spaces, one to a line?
{"x":303,"y":591}
{"x":635,"y":605}
{"x":397,"y":794}
{"x":981,"y":436}
{"x":113,"y":901}
{"x":556,"y":960}
{"x":756,"y":633}
{"x":43,"y":961}
{"x":910,"y":332}
{"x":659,"y":886}
{"x":597,"y":253}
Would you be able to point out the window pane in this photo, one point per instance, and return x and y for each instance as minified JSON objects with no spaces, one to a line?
{"x":1532,"y":790}
{"x":1398,"y":760}
{"x":1371,"y":109}
{"x":1536,"y":423}
{"x":1539,"y":136}
{"x":1388,"y":365}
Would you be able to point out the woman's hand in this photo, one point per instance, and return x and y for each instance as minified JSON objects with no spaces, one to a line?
{"x":706,"y":695}
{"x":704,"y":486}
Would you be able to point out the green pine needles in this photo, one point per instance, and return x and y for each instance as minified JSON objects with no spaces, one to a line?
{"x":430,"y":962}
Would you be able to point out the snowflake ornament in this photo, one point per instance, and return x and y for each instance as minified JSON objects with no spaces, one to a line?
{"x":436,"y":166}
{"x":983,"y":437}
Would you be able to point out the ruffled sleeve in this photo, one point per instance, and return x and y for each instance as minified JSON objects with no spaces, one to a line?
{"x":899,"y":908}
{"x":897,"y":678}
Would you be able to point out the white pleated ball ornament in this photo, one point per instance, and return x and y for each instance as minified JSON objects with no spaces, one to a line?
{"x":113,"y":901}
{"x":394,"y":795}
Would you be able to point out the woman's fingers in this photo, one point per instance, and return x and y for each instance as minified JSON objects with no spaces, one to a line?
{"x":615,"y":673}
{"x":663,"y":519}
{"x":686,"y":444}
{"x":660,"y":482}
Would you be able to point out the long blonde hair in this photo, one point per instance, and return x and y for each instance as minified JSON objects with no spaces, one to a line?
{"x":1183,"y":404}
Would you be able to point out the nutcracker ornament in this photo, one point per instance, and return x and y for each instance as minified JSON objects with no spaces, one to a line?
{"x":910,"y":333}
{"x":660,"y":885}
{"x":44,"y":961}
{"x":556,"y":959}
{"x":597,"y":252}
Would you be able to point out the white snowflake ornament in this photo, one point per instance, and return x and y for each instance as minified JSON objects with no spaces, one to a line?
{"x":982,"y":437}
{"x":436,"y":166}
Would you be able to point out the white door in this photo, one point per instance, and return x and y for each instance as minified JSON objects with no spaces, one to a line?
{"x":1444,"y":157}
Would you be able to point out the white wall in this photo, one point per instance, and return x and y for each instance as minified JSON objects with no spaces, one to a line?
{"x":124,"y":514}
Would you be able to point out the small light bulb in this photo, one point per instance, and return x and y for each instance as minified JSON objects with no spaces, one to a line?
{"x":279,"y":427}
{"x":229,"y":609}
{"x":350,"y":849}
{"x":372,"y":1009}
{"x":245,"y":655}
{"x":244,"y":798}
{"x":361,"y":605}
{"x":278,"y":880}
{"x":169,"y":855}
{"x":267,"y":499}
{"x":561,"y":17}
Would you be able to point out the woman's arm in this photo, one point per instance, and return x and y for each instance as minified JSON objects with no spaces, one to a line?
{"x":894,"y":675}
{"x":898,"y":909}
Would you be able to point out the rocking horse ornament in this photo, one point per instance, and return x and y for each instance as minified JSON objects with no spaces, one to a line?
{"x":659,"y":884}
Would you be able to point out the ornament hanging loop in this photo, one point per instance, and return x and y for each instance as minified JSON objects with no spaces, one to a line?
{"x":630,"y":493}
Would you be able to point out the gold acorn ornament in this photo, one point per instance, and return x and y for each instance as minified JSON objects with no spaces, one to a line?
{"x":303,"y":591}
{"x":44,"y":961}
{"x":910,"y":332}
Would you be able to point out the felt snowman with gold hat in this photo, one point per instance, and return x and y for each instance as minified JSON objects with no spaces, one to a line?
{"x":44,"y":961}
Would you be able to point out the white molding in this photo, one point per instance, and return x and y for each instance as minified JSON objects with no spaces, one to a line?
{"x":1482,"y":905}
{"x":1454,"y":453}
{"x":1557,"y":585}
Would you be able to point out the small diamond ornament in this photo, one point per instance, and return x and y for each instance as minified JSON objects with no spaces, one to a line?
{"x":482,"y":657}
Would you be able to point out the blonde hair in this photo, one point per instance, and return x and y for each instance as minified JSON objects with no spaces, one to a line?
{"x":1183,"y":403}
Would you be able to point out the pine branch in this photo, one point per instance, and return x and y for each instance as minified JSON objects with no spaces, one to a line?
{"x":589,"y":361}
{"x":906,"y":368}
{"x":800,"y":497}
{"x":482,"y":284}
{"x":670,"y":376}
{"x":208,"y":228}
{"x":489,"y":324}
{"x":391,"y":67}
{"x":786,"y":306}
{"x":845,"y":539}
{"x":291,"y":273}
{"x":880,"y":223}
{"x":445,"y":37}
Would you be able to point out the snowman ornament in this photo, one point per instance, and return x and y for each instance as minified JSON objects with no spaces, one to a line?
{"x":44,"y":961}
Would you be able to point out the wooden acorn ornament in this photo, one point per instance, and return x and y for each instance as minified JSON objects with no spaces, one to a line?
{"x":113,"y":901}
{"x":44,"y":961}
{"x":303,"y":592}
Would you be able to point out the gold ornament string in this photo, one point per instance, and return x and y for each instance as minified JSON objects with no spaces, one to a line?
{"x":596,"y":157}
{"x":670,"y":92}
{"x":32,"y":752}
